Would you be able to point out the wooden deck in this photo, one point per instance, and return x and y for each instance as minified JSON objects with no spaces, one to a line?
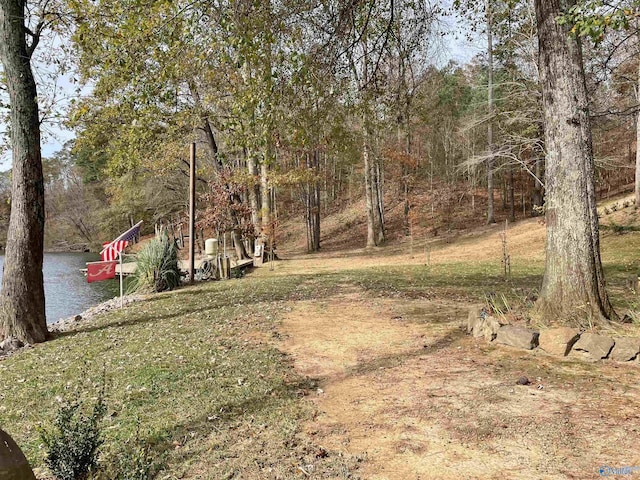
{"x":129,"y":268}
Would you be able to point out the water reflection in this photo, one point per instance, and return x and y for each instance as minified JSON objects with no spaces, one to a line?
{"x":66,"y":289}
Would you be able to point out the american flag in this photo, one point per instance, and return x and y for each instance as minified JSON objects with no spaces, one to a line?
{"x":111,"y":250}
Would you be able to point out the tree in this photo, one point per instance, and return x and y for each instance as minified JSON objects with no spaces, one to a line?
{"x":490,"y":209}
{"x":573,"y":287}
{"x":22,"y":307}
{"x":594,"y":19}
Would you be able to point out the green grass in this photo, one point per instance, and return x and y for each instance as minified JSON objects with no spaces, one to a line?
{"x":197,"y":372}
{"x":207,"y":396}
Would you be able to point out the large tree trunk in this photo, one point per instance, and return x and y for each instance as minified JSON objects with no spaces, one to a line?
{"x":573,"y":288}
{"x":22,"y":311}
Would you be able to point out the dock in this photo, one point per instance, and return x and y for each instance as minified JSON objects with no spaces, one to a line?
{"x":129,"y":268}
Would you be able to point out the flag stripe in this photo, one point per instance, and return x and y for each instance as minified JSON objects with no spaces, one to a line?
{"x":111,"y":250}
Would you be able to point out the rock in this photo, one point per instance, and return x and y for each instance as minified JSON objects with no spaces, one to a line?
{"x":597,"y":346}
{"x":523,"y":381}
{"x":11,"y":344}
{"x":489,"y":328}
{"x":475,"y":315}
{"x":481,"y":324}
{"x":77,"y":318}
{"x":517,"y":337}
{"x":13,"y":464}
{"x":559,"y":341}
{"x":625,"y":349}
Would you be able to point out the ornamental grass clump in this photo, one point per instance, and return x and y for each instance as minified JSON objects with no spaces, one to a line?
{"x":157,"y":266}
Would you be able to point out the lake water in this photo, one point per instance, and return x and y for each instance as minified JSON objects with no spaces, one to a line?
{"x":66,"y":289}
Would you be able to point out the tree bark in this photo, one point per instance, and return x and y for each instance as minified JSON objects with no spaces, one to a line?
{"x":637,"y":187}
{"x":312,"y":203}
{"x":538,"y":194}
{"x":253,"y":191}
{"x":371,"y":236}
{"x":573,"y":288}
{"x":375,"y":232}
{"x":512,"y":200}
{"x":206,"y":126}
{"x":22,"y":307}
{"x":265,"y":210}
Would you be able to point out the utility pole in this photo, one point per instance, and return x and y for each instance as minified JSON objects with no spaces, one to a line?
{"x":192,"y":211}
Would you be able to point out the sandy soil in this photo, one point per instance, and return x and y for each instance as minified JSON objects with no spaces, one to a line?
{"x":402,"y":387}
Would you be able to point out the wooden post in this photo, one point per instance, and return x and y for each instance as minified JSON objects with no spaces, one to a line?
{"x":192,"y":211}
{"x":121,"y":281}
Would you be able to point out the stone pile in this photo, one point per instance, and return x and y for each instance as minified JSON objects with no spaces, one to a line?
{"x":561,"y":341}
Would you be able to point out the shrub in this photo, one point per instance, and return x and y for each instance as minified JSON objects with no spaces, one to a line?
{"x":157,"y":266}
{"x":72,"y":444}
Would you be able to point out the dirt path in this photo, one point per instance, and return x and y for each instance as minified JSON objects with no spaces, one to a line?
{"x":404,"y":389}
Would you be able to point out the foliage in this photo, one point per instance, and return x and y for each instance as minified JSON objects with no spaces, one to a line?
{"x":157,"y":266}
{"x":72,"y":445}
{"x":221,"y":207}
{"x":593,"y":18}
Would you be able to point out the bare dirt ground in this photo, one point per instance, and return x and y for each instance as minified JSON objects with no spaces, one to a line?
{"x":403,"y":388}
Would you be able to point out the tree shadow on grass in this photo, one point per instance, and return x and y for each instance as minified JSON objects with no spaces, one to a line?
{"x":395,"y":360}
{"x":226,"y":418}
{"x":184,"y":307}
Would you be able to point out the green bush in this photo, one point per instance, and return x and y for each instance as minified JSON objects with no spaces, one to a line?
{"x":72,"y":444}
{"x":157,"y":266}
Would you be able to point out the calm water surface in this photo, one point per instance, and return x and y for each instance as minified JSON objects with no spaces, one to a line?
{"x":66,"y":289}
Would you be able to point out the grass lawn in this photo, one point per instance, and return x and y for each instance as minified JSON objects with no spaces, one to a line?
{"x":197,"y":374}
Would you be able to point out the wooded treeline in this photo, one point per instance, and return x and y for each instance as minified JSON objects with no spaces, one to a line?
{"x":321,"y":102}
{"x":306,"y":106}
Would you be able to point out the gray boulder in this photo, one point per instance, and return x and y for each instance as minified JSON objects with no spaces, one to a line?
{"x":597,"y":347}
{"x":11,"y":344}
{"x":625,"y":349}
{"x":558,"y":341}
{"x":517,"y":337}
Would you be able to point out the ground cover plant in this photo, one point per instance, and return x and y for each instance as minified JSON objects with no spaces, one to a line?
{"x":335,"y":369}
